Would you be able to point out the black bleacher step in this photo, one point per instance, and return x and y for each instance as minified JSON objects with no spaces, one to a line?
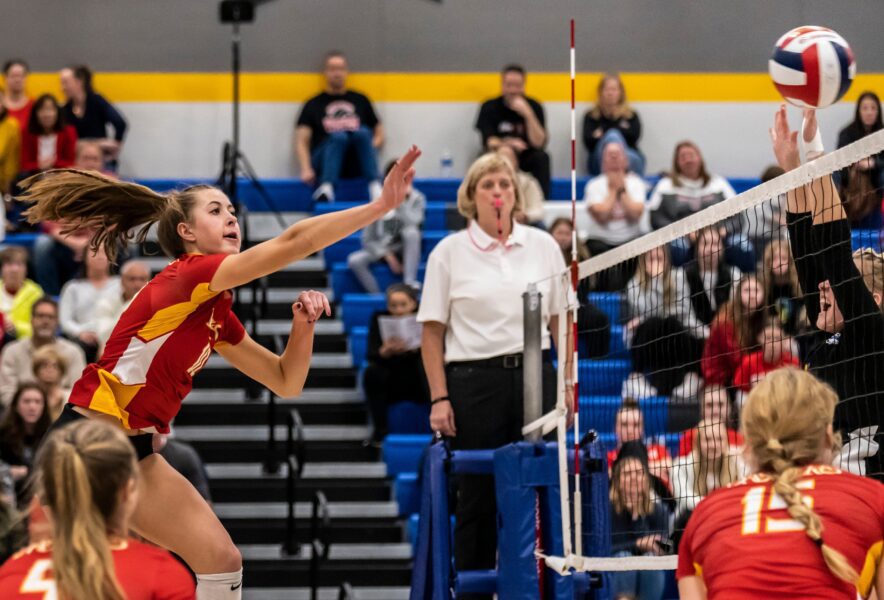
{"x":345,"y":531}
{"x":305,"y":279}
{"x":256,"y":413}
{"x":268,"y":490}
{"x":322,"y":342}
{"x":295,"y":573}
{"x":256,"y":451}
{"x":317,"y":377}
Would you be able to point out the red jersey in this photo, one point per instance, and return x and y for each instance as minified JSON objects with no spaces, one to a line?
{"x":659,"y":461}
{"x":686,"y":442}
{"x":144,"y":573}
{"x":161,"y":341}
{"x":743,"y":543}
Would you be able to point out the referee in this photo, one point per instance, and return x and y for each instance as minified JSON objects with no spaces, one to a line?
{"x":473,"y":337}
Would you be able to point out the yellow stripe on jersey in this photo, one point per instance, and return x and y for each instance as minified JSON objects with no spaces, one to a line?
{"x":168,"y":319}
{"x":112,"y":396}
{"x":698,"y":570}
{"x":870,"y":570}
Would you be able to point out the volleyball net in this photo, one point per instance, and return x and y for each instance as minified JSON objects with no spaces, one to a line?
{"x":674,"y":329}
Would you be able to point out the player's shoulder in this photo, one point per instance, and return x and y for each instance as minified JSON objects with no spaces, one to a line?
{"x":135,"y":548}
{"x":829,"y":477}
{"x":25,"y":557}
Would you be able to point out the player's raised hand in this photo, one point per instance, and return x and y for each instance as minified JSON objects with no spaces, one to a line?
{"x":784,"y":141}
{"x":398,"y":180}
{"x":310,"y":306}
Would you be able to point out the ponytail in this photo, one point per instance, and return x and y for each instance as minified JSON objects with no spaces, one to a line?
{"x":81,"y":469}
{"x":118,"y":211}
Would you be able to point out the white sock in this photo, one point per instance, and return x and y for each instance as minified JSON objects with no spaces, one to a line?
{"x":219,"y":586}
{"x":326,"y":189}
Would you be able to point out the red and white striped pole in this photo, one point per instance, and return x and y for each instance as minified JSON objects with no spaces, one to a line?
{"x":578,"y":512}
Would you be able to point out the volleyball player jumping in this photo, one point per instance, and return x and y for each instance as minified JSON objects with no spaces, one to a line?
{"x":169,"y":330}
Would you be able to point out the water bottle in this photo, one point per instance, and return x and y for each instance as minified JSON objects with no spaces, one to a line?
{"x":446,"y":165}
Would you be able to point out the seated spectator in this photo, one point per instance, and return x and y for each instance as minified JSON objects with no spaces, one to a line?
{"x":768,"y":219}
{"x":16,"y":99}
{"x":50,"y":370}
{"x":616,"y":204}
{"x":395,"y":372}
{"x":777,"y":351}
{"x":184,"y":458}
{"x":90,"y":113}
{"x":782,"y":294}
{"x":639,"y":523}
{"x":59,"y":257}
{"x":79,"y":297}
{"x":663,"y":334}
{"x":17,"y":292}
{"x":16,"y":360}
{"x":712,"y":464}
{"x":532,"y":195}
{"x":10,"y":152}
{"x":518,"y":121}
{"x":710,"y":279}
{"x":13,"y":536}
{"x":715,"y":408}
{"x":734,"y":332}
{"x":689,"y":188}
{"x":134,"y":275}
{"x":21,"y":430}
{"x":337,"y":122}
{"x":861,"y":183}
{"x":562,"y":230}
{"x":395,"y":239}
{"x":612,"y":120}
{"x":48,"y":142}
{"x":629,"y":426}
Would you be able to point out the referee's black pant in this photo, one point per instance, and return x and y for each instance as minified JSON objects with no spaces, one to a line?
{"x":488,"y":413}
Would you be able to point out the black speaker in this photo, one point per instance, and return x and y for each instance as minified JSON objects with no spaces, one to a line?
{"x":237,"y":11}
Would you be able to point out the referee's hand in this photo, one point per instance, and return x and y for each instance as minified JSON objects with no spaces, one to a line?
{"x":442,"y":418}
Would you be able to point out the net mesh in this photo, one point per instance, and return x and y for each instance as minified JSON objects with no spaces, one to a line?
{"x":676,"y":327}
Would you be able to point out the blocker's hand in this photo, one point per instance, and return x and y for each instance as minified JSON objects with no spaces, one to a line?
{"x":442,"y":419}
{"x":785,"y":141}
{"x":310,"y":306}
{"x":398,"y":181}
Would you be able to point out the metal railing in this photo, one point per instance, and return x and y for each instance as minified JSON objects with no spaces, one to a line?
{"x":295,"y":451}
{"x":271,"y":460}
{"x":320,"y":532}
{"x":345,"y":592}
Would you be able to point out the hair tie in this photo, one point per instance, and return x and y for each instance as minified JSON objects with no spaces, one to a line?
{"x":775,"y":445}
{"x":819,"y":541}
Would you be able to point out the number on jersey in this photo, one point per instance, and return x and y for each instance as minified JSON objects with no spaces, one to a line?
{"x":753,"y":507}
{"x":39,"y":580}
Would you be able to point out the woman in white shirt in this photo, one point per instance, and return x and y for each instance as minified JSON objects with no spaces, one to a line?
{"x":79,"y":297}
{"x":473,"y":335}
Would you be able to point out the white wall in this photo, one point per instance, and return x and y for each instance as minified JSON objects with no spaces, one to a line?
{"x":183,"y":140}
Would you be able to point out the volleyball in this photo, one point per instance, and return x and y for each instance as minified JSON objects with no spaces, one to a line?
{"x":812,"y":67}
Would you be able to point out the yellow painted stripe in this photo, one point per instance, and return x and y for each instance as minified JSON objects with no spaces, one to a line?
{"x":434,"y":87}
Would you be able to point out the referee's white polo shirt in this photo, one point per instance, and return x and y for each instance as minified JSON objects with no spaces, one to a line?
{"x":474,"y":286}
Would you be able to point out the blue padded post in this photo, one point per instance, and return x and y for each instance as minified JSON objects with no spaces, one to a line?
{"x":596,"y":508}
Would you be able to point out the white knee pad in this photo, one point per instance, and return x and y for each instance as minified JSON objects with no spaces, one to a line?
{"x":219,"y":586}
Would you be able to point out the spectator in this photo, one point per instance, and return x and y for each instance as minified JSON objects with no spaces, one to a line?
{"x":12,"y":530}
{"x":17,"y":292}
{"x":861,"y":183}
{"x":710,"y":279}
{"x":394,"y":372}
{"x":334,"y":124}
{"x":90,"y":113}
{"x":186,"y":460}
{"x":687,"y":189}
{"x":10,"y":151}
{"x":663,"y":333}
{"x":473,"y":336}
{"x":58,"y":257}
{"x":734,"y":332}
{"x":532,"y":195}
{"x":396,"y":235}
{"x":518,"y":121}
{"x":134,"y":275}
{"x":767,"y":219}
{"x":776,"y":352}
{"x":562,"y":231}
{"x":629,"y":426}
{"x":79,"y":297}
{"x":715,"y":408}
{"x":22,"y":428}
{"x":639,"y":523}
{"x":16,"y":360}
{"x":612,"y":120}
{"x":616,"y":204}
{"x":712,"y":464}
{"x":50,"y":369}
{"x":782,"y":294}
{"x":16,"y":99}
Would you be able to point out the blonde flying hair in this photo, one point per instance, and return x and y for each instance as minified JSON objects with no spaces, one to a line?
{"x":785,"y":422}
{"x":118,"y":211}
{"x":80,"y":471}
{"x":491,"y":162}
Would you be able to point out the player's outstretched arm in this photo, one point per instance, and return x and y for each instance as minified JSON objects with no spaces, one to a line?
{"x":691,"y":588}
{"x":311,"y":235}
{"x":283,"y":375}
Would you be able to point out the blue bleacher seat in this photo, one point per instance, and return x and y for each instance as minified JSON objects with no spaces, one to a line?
{"x":407,"y":493}
{"x":602,"y":377}
{"x":25,"y":240}
{"x":358,"y":345}
{"x":344,"y":282}
{"x":357,"y":309}
{"x":866,"y":238}
{"x":408,"y":417}
{"x":338,"y":252}
{"x":435,"y":217}
{"x":618,"y":344}
{"x":598,"y":412}
{"x":402,"y":452}
{"x":413,"y":524}
{"x":610,"y":303}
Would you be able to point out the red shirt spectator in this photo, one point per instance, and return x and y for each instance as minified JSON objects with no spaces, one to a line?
{"x":734,"y":330}
{"x":47,"y":143}
{"x":753,"y":367}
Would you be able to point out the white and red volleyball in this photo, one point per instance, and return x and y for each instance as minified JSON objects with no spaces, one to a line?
{"x":812,"y":67}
